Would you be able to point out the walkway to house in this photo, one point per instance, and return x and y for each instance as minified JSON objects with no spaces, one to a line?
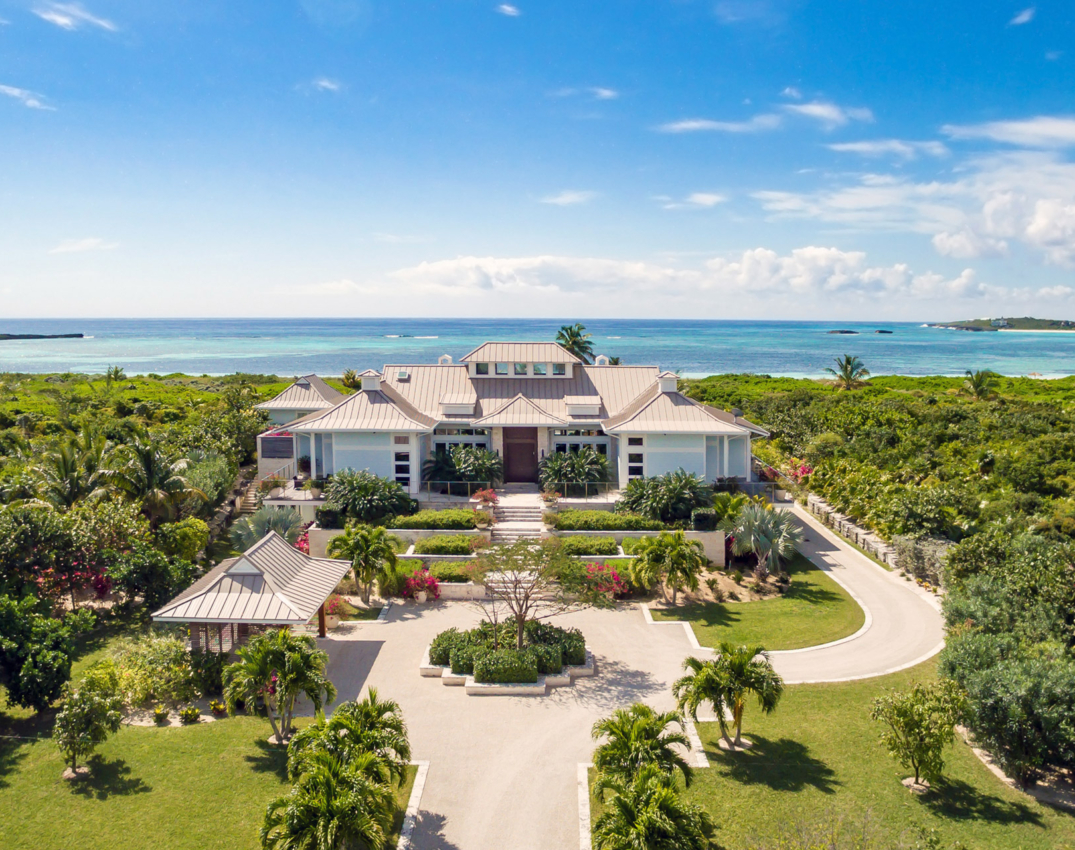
{"x":518,"y":514}
{"x":903,"y":622}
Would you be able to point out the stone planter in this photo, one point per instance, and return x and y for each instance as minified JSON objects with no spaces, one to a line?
{"x":420,"y":597}
{"x":331,"y":621}
{"x":276,"y":492}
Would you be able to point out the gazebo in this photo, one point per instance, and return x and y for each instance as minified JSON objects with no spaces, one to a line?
{"x":271,"y":585}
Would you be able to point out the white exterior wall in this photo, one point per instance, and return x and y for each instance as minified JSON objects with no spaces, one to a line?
{"x":714,"y":457}
{"x":369,"y":450}
{"x":739,"y":457}
{"x":669,"y":452}
{"x":282,"y":417}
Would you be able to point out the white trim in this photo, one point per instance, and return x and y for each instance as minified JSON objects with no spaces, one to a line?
{"x":697,"y":750}
{"x":411,"y":817}
{"x":585,"y":827}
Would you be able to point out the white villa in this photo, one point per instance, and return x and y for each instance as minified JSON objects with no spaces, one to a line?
{"x":521,"y":400}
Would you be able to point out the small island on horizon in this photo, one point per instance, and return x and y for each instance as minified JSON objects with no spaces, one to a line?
{"x":1026,"y":323}
{"x":41,"y":336}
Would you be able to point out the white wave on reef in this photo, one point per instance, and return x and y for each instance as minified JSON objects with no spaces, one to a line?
{"x":427,"y":337}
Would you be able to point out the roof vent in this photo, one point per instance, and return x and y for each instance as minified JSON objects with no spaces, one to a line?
{"x":403,"y":375}
{"x":302,"y":382}
{"x":668,"y":382}
{"x":600,"y":360}
{"x":736,"y":412}
{"x":371,"y":381}
{"x":444,"y":360}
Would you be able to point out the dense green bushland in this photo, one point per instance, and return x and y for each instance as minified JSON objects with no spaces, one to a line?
{"x":981,"y":491}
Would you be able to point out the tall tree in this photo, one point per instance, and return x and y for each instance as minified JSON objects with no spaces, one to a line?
{"x":575,"y":339}
{"x":350,"y":379}
{"x":981,"y":384}
{"x":639,"y":736}
{"x":74,"y":471}
{"x":369,"y":549}
{"x":141,"y":471}
{"x":849,"y":372}
{"x":250,"y":529}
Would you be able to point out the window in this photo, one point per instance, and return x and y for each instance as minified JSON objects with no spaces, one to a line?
{"x":634,"y":441}
{"x":559,"y":368}
{"x":520,"y":370}
{"x":539,"y":369}
{"x":635,"y":457}
{"x":403,"y":468}
{"x":502,"y":368}
{"x":481,"y":368}
{"x":635,"y":472}
{"x":402,"y":440}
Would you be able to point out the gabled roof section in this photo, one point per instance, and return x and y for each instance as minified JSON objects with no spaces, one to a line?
{"x":307,"y":393}
{"x":670,"y":413}
{"x":520,"y":352}
{"x":370,"y":410}
{"x":272,"y":583}
{"x":519,"y":411}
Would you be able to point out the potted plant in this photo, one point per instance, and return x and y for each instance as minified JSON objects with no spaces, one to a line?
{"x":334,"y":610}
{"x":313,"y":487}
{"x":218,"y":708}
{"x":550,"y":497}
{"x":422,"y":585}
{"x":160,"y":713}
{"x":271,"y":486}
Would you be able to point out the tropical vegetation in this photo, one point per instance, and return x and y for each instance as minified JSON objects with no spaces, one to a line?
{"x":669,"y":558}
{"x":668,"y":498}
{"x":570,"y":473}
{"x":361,"y":496}
{"x":575,"y":339}
{"x":634,"y":737}
{"x":370,"y":552}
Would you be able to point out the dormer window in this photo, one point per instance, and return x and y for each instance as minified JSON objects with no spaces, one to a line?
{"x":481,"y":368}
{"x":502,"y":368}
{"x":539,"y":370}
{"x":559,"y":369}
{"x":520,"y":370}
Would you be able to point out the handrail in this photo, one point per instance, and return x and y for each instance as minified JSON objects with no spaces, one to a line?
{"x":277,"y":473}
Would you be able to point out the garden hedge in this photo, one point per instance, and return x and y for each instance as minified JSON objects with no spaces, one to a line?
{"x":573,"y":520}
{"x":459,"y":572}
{"x":505,"y":666}
{"x":631,"y":545}
{"x":446,"y":544}
{"x":452,"y":518}
{"x":589,"y":546}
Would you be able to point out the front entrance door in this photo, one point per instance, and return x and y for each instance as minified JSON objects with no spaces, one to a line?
{"x":520,"y":454}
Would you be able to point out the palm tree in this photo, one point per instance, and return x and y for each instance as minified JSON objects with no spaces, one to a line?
{"x":370,"y":552}
{"x":728,"y":505}
{"x":276,"y":667}
{"x":615,"y":361}
{"x":333,"y":806}
{"x":638,"y":736}
{"x":849,"y":372}
{"x":371,"y":727}
{"x":648,"y":814}
{"x":770,"y":535}
{"x":671,"y":556}
{"x":703,"y":684}
{"x":575,"y":339}
{"x":981,"y":384}
{"x":736,"y":672}
{"x":143,"y":473}
{"x":74,"y":471}
{"x":351,"y":380}
{"x":287,"y":522}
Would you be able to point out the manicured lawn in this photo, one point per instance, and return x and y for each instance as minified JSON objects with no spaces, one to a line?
{"x":817,"y":759}
{"x":189,"y":787}
{"x":814,"y":610}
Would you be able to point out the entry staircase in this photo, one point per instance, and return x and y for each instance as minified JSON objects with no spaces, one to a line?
{"x":518,"y":514}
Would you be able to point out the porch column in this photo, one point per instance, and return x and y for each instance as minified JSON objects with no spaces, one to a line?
{"x":321,"y":629}
{"x":724,"y":471}
{"x":313,"y":455}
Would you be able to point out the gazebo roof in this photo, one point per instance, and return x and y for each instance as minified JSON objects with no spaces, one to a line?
{"x":272,"y":583}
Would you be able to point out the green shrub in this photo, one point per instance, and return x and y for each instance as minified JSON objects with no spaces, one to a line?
{"x":704,"y":519}
{"x":453,"y":518}
{"x":572,"y":520}
{"x":505,"y":666}
{"x":549,"y":659}
{"x":330,"y":515}
{"x":462,"y":658}
{"x":585,"y":545}
{"x":154,"y":667}
{"x":365,"y":497}
{"x":392,"y":580}
{"x":569,"y":472}
{"x":190,"y":714}
{"x":669,"y":498}
{"x":207,"y":671}
{"x":570,"y":641}
{"x":632,"y":544}
{"x":440,"y":649}
{"x":452,"y":571}
{"x":446,"y":544}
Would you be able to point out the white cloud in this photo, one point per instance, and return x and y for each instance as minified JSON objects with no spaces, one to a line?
{"x":75,"y":246}
{"x":1056,"y":292}
{"x":894,"y":147}
{"x":1043,"y":131}
{"x":509,"y":10}
{"x":829,"y":114}
{"x":326,"y":84}
{"x":25,"y":97}
{"x":792,"y":92}
{"x":71,"y":16}
{"x":967,"y":243}
{"x":1024,"y":17}
{"x":596,"y":92}
{"x":569,"y":197}
{"x":694,"y":125}
{"x":602,"y":93}
{"x":695,"y":200}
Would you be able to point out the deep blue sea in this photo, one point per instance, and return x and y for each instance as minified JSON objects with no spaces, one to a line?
{"x":693,"y":348}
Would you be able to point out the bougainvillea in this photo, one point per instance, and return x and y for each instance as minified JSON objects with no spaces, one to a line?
{"x":422,"y":580}
{"x":605,"y":579}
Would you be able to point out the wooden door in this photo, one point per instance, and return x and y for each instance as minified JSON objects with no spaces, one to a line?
{"x":520,"y":454}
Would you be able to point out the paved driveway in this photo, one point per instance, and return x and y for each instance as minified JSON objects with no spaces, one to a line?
{"x":503,"y":770}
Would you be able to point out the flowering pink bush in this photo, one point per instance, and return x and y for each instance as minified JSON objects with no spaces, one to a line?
{"x":334,"y":605}
{"x":422,"y":580}
{"x":604,"y":578}
{"x":487,"y":497}
{"x":798,"y":470}
{"x":302,"y":542}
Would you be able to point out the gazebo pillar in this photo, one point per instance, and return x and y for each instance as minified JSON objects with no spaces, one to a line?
{"x":321,"y":629}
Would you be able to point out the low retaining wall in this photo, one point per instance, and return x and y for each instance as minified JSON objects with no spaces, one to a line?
{"x":712,"y":541}
{"x":319,"y":537}
{"x":846,"y":527}
{"x":539,"y":688}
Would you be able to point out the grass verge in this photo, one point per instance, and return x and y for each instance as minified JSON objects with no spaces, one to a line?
{"x":814,"y":610}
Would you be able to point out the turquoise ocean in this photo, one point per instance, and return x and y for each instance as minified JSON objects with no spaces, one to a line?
{"x":693,"y":348}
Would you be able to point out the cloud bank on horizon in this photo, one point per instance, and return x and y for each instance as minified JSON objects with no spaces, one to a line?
{"x":739,"y":160}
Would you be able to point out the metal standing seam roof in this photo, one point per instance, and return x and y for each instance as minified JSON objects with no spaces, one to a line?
{"x":519,"y":411}
{"x":272,"y":583}
{"x":369,"y":410}
{"x":520,"y":352}
{"x":670,"y":413}
{"x":307,"y":393}
{"x":612,"y":387}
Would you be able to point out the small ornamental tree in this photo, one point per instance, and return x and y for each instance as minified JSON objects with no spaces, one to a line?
{"x":90,"y":714}
{"x":370,"y":552}
{"x":920,"y":725}
{"x":672,"y":557}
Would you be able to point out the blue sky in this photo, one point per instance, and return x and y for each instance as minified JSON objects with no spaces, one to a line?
{"x":738,"y":158}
